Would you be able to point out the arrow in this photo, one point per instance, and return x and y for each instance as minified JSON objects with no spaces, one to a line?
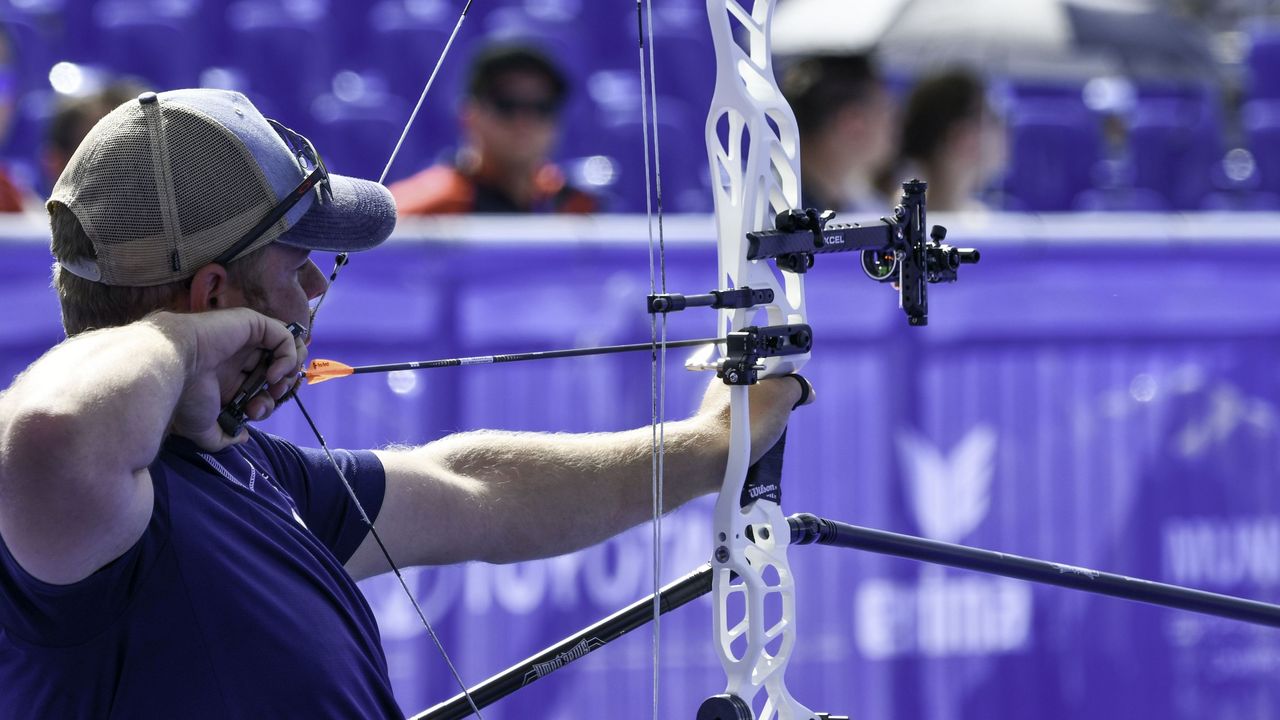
{"x":322,"y":370}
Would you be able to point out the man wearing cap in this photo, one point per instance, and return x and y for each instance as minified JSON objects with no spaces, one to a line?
{"x":152,"y":565}
{"x":510,"y":119}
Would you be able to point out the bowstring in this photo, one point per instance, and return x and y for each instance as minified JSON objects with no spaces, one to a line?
{"x":338,"y":263}
{"x":426,"y":89}
{"x":657,"y":326}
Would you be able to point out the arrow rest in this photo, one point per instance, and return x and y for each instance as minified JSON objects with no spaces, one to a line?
{"x":746,"y":348}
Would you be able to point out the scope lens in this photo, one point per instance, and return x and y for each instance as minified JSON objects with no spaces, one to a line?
{"x":879,"y":265}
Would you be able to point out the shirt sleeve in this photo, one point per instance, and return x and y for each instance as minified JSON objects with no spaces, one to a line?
{"x":320,"y":494}
{"x":48,"y":615}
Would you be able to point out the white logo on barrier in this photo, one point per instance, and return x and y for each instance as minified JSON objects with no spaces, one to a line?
{"x":949,"y":495}
{"x":941,"y":616}
{"x":604,"y":577}
{"x":1222,"y":553}
{"x":944,"y":614}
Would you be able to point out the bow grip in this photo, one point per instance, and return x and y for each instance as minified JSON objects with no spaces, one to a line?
{"x":764,"y":477}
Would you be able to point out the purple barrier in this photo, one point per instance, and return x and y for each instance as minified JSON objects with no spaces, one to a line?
{"x":1108,"y":404}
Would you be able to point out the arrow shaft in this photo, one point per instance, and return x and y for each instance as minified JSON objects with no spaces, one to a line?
{"x":521,"y":357}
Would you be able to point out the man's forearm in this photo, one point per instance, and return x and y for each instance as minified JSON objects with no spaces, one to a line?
{"x":588,"y":487}
{"x":557,"y":493}
{"x":506,"y":497}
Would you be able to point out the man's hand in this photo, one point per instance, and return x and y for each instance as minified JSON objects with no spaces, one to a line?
{"x":772,"y":400}
{"x":221,"y":349}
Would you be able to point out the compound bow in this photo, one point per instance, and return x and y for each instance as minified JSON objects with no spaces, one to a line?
{"x":753,"y":148}
{"x":754,"y":153}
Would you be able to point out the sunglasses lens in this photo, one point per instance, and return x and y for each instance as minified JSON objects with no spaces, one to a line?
{"x":311,"y":162}
{"x":512,"y":107}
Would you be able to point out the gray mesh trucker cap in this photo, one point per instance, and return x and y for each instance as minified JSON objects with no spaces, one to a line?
{"x":167,"y":182}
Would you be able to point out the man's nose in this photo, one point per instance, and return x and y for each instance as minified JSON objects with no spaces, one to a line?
{"x":313,"y":281}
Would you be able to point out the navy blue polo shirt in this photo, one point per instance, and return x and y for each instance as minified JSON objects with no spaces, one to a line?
{"x":233,"y":603}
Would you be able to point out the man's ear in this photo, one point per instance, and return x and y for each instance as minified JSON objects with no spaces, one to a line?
{"x":209,"y":289}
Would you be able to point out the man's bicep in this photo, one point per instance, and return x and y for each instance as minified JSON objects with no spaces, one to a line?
{"x":61,"y":530}
{"x":429,"y":516}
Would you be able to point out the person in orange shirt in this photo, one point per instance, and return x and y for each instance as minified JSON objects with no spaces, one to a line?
{"x":510,"y":121}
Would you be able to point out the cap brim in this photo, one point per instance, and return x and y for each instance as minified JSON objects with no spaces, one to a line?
{"x":360,"y":215}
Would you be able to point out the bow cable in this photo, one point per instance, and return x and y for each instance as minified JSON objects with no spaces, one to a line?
{"x":338,"y":262}
{"x":657,"y":326}
{"x":387,"y":554}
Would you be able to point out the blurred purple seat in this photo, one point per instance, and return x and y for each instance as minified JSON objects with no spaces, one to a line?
{"x":556,"y":34}
{"x":37,"y":38}
{"x":1263,"y":63}
{"x":157,"y":42}
{"x":1054,"y":148}
{"x":685,"y":174}
{"x":357,"y":125}
{"x":406,"y":40}
{"x":1173,"y":145}
{"x":684,"y":56}
{"x":1261,"y":123}
{"x":281,"y":49}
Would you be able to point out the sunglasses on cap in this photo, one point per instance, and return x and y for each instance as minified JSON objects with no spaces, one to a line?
{"x":316,"y":177}
{"x":509,"y":107}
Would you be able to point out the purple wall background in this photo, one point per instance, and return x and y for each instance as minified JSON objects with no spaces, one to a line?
{"x":1108,"y":402}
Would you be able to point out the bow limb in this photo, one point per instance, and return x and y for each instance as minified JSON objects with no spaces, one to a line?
{"x":754,"y":151}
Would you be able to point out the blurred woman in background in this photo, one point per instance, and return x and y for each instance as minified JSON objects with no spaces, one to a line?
{"x":953,"y":139}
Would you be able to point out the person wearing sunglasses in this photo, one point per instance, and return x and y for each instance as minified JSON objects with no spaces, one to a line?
{"x":509,"y":120}
{"x":153,"y":566}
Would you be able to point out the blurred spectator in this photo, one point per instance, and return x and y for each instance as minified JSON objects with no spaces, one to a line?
{"x":953,"y":139}
{"x":74,"y":117}
{"x":510,"y":121}
{"x":12,"y":197}
{"x":846,"y":119}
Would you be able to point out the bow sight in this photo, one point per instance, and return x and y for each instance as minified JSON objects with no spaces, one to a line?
{"x":895,"y":250}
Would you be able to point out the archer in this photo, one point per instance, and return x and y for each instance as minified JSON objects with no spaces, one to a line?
{"x":164,"y":559}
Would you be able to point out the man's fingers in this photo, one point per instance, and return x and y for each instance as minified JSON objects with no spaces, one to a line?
{"x":260,"y":406}
{"x":286,"y":352}
{"x":283,"y":388}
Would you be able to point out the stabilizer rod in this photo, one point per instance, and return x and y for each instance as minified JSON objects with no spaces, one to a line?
{"x":806,"y":529}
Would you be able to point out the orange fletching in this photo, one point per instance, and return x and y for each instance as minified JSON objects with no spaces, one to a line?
{"x":321,"y":370}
